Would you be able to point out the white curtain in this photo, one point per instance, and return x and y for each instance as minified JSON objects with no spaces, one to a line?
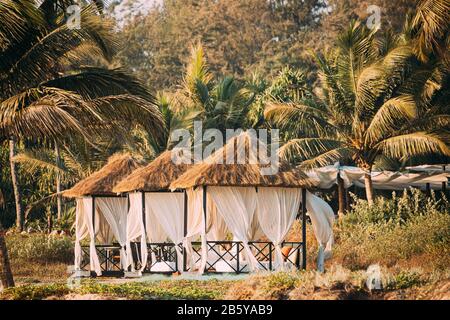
{"x":322,"y":219}
{"x":81,"y":232}
{"x":84,"y":227}
{"x":237,"y":206}
{"x":215,"y":229}
{"x":277,"y":209}
{"x":195,"y":227}
{"x":114,"y":210}
{"x":136,"y":229}
{"x":168,"y":211}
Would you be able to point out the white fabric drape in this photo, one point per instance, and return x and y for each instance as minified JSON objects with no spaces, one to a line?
{"x":114,"y":210}
{"x":214,"y":230}
{"x":84,"y":227}
{"x":237,"y":206}
{"x":168,"y":210}
{"x":81,"y":232}
{"x":277,"y":209}
{"x":195,"y":227}
{"x":135,"y":230}
{"x":322,"y":219}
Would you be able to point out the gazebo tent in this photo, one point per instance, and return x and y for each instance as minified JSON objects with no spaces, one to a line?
{"x":100,"y":213}
{"x":250,"y":203}
{"x":154,"y":213}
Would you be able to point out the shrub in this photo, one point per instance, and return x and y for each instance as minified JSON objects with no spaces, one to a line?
{"x":404,"y":280}
{"x":34,"y":292}
{"x":166,"y":289}
{"x":40,"y":248}
{"x":398,"y":230}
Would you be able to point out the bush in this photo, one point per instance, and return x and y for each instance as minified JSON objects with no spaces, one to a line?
{"x":411,"y":229}
{"x":34,"y":292}
{"x":174,"y":289}
{"x":167,"y":289}
{"x":40,"y":248}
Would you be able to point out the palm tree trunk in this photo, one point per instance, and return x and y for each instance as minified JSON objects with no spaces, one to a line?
{"x":16,"y":186}
{"x":369,"y":188}
{"x":341,"y":196}
{"x":49,"y":220}
{"x":6,"y":277}
{"x":58,"y":183}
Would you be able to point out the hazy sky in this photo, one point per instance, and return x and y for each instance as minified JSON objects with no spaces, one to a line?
{"x":128,"y":8}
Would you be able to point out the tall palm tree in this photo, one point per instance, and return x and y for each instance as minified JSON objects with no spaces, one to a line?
{"x":45,"y":93}
{"x":376,"y":101}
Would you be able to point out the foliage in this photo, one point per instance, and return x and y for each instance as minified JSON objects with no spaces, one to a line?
{"x":404,"y":280}
{"x":167,"y":289}
{"x":405,"y":230}
{"x":34,"y":292}
{"x":40,"y":248}
{"x":170,"y":289}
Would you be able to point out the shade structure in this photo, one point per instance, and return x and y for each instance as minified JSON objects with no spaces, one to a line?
{"x":102,"y":182}
{"x":157,"y":176}
{"x":240,"y":163}
{"x":422,"y":177}
{"x":248,"y":199}
{"x":100,"y":213}
{"x":155,"y":213}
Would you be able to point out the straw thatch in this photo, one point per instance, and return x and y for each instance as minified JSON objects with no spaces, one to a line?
{"x":102,"y":182}
{"x":157,"y":176}
{"x":214,"y":173}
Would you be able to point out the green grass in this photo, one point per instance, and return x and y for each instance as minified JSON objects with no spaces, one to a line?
{"x":166,"y":289}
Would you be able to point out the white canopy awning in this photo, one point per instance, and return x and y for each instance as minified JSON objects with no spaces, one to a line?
{"x":419,"y":177}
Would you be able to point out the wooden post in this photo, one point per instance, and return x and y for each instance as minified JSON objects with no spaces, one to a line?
{"x":144,"y":218}
{"x":428,"y":190}
{"x":185,"y":229}
{"x":205,"y":208}
{"x":341,"y":195}
{"x":93,"y":215}
{"x":304,"y":229}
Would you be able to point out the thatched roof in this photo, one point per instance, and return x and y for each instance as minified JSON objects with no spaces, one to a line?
{"x":102,"y":182}
{"x":215,"y":171}
{"x":157,"y":176}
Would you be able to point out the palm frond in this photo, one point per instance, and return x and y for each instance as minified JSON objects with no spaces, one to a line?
{"x":390,"y":117}
{"x":306,"y":148}
{"x":327,"y":158}
{"x":430,"y":27}
{"x":91,"y":83}
{"x":413,"y":144}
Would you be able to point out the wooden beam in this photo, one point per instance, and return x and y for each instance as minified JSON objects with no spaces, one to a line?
{"x":304,"y":229}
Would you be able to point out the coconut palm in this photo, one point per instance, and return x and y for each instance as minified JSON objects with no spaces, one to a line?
{"x":221,"y":104}
{"x":47,"y":92}
{"x":376,"y":101}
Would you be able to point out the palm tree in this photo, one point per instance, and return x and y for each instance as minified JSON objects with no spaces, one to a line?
{"x":46,"y":93}
{"x":376,"y":101}
{"x":6,"y":278}
{"x":15,"y":184}
{"x":222,"y":104}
